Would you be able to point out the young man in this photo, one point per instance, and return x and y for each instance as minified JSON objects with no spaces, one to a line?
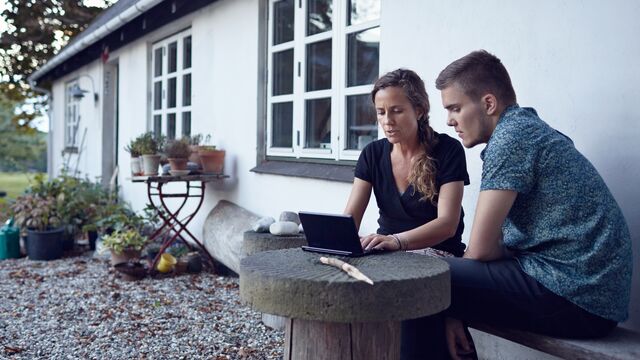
{"x":549,"y":249}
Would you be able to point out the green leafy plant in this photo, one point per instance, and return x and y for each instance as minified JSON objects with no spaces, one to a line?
{"x":35,"y":212}
{"x":119,"y":241}
{"x":178,"y":250}
{"x":177,"y":149}
{"x":117,"y":216}
{"x":133,"y":147}
{"x":149,"y":144}
{"x":195,"y":139}
{"x":79,"y":200}
{"x":207,"y":146}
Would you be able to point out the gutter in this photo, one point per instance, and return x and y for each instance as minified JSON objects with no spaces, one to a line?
{"x":123,"y":18}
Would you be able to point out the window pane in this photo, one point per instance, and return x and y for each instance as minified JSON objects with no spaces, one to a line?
{"x":282,"y":125}
{"x":319,"y":65}
{"x":186,"y":90}
{"x":283,"y":21}
{"x":157,"y":62}
{"x":359,"y":11}
{"x":171,"y":93}
{"x":173,"y":57}
{"x":157,"y":95}
{"x":319,"y":16}
{"x":186,"y":123}
{"x":362,"y":58}
{"x":171,"y":126}
{"x":186,"y":53}
{"x":362,"y":127}
{"x":157,"y":125}
{"x":317,"y":128}
{"x":283,"y":72}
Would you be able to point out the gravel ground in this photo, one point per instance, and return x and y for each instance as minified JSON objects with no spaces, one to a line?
{"x":79,"y":308}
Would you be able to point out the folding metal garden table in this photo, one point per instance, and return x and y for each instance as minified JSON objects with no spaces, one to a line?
{"x":174,"y":224}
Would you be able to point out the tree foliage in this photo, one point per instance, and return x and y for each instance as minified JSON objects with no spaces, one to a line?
{"x":19,"y":150}
{"x":36,"y":31}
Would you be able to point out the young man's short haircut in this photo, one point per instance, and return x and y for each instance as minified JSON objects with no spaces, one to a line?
{"x":477,"y":74}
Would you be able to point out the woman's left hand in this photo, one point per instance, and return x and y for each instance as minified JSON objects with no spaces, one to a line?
{"x":377,"y":241}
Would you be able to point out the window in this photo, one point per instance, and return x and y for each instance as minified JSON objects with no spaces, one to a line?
{"x":71,"y":116}
{"x":323,"y":57}
{"x":171,"y":86}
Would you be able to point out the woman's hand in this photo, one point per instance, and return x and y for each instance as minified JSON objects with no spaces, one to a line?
{"x":377,"y":241}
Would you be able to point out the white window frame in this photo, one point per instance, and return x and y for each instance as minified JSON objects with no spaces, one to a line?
{"x":338,"y":91}
{"x":179,"y":109}
{"x":71,"y":116}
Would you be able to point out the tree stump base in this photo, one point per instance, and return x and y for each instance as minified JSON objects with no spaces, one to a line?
{"x":320,"y":340}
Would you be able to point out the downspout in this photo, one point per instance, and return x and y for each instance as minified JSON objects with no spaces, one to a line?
{"x":49,"y":96}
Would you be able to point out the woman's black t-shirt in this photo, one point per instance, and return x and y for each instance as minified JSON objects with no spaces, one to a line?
{"x":403,"y":212}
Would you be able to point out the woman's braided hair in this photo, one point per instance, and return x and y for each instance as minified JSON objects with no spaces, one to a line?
{"x":422,"y":174}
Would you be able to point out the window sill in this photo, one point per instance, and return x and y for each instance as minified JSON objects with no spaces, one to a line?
{"x":331,"y":172}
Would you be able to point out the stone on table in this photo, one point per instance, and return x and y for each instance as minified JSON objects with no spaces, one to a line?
{"x":262,"y":225}
{"x":290,"y":216}
{"x":283,"y":228}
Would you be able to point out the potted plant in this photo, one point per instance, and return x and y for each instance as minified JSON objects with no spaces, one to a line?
{"x":124,"y":245}
{"x":39,"y":218}
{"x":149,"y":147}
{"x":194,"y":144}
{"x":178,"y":151}
{"x":212,"y":159}
{"x":133,"y":148}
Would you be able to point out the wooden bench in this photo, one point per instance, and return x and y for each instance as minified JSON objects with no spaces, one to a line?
{"x":620,"y":344}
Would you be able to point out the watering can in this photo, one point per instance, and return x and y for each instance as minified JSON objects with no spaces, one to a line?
{"x":9,"y":241}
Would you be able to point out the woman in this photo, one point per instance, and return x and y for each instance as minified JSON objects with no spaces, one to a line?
{"x":417,"y":175}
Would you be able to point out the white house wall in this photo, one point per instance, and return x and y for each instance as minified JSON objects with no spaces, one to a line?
{"x":88,"y":161}
{"x":575,"y":62}
{"x":224,"y":98}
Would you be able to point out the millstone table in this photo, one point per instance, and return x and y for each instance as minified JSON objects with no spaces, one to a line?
{"x":333,"y":316}
{"x":255,"y":242}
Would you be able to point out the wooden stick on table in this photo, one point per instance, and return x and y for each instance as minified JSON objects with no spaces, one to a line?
{"x":349,"y":269}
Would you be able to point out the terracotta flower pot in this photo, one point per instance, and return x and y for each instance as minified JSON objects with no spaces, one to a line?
{"x":212,"y":161}
{"x":178,"y":164}
{"x":124,"y":256}
{"x":194,"y":157}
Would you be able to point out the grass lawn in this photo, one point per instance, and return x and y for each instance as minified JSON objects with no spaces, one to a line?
{"x":13,"y":184}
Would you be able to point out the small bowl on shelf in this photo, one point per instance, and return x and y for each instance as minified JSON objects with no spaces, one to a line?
{"x":179,"y":172}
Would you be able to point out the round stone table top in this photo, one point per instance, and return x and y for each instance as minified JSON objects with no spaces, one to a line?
{"x":294,"y":283}
{"x":255,"y":242}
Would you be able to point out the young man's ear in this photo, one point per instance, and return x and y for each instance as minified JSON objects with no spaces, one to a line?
{"x":490,"y":103}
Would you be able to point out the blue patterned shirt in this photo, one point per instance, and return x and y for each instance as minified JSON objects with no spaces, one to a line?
{"x":565,"y":227}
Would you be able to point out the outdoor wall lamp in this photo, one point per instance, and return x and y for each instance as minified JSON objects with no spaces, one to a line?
{"x":78,"y":93}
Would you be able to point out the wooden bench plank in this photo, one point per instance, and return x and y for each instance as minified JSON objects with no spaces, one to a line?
{"x":621,"y":344}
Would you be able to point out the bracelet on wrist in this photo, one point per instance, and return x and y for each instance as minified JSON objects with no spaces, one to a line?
{"x":398,"y":241}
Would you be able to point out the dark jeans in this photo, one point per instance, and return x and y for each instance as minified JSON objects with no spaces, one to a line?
{"x":499,"y":293}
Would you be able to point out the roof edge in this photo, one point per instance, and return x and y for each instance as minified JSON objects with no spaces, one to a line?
{"x":123,"y":18}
